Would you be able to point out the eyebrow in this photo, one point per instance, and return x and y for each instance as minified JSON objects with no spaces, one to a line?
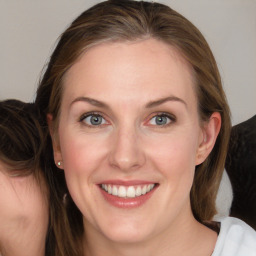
{"x":151,"y":104}
{"x":155,"y":103}
{"x":91,"y":101}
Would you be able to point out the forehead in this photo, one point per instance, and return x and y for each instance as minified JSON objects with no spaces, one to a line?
{"x":143,"y":67}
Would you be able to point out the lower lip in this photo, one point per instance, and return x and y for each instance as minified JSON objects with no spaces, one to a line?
{"x":127,"y":203}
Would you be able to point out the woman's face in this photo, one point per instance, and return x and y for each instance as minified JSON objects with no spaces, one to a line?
{"x":130,"y":138}
{"x":23,"y":215}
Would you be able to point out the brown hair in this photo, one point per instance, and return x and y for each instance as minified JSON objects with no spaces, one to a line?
{"x":21,"y":137}
{"x":125,"y":20}
{"x":21,"y":148}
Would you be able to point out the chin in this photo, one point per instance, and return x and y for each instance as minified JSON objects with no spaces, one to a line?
{"x":127,"y":237}
{"x":128,"y":232}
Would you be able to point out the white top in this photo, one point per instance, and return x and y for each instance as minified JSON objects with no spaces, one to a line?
{"x":224,"y":197}
{"x":236,"y":238}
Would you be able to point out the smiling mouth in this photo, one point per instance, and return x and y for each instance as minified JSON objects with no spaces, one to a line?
{"x":127,"y":191}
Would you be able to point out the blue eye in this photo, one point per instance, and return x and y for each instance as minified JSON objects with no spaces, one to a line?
{"x":94,"y":120}
{"x":160,"y":120}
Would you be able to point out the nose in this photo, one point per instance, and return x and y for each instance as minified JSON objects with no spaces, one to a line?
{"x":126,"y":150}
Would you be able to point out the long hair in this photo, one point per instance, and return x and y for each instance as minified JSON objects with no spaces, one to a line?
{"x":125,"y":20}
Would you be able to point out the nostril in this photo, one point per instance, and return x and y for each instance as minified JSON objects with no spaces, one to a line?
{"x":125,"y":164}
{"x":126,"y":160}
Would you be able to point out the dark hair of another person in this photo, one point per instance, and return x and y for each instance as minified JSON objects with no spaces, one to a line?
{"x":126,"y":21}
{"x":241,"y":169}
{"x":21,"y":148}
{"x":21,"y":138}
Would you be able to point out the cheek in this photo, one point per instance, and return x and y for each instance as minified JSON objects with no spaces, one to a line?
{"x":36,"y":203}
{"x":9,"y":204}
{"x":175,"y":152}
{"x":81,"y":154}
{"x":23,"y":198}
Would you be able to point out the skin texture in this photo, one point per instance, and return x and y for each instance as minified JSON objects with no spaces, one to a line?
{"x":130,"y":146}
{"x":23,"y":215}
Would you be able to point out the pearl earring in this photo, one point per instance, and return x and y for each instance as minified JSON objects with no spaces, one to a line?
{"x":58,"y":163}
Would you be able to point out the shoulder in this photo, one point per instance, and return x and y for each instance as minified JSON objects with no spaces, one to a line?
{"x":236,"y":238}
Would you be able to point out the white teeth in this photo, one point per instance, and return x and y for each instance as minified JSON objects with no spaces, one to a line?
{"x":138,"y":191}
{"x":144,"y":190}
{"x":127,"y":192}
{"x":130,"y":192}
{"x":109,"y":189}
{"x":121,"y":191}
{"x":114,"y":191}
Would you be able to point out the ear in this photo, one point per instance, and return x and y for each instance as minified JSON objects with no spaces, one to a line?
{"x":210,"y":131}
{"x":55,"y":142}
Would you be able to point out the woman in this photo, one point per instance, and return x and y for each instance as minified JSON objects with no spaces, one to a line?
{"x":23,"y":190}
{"x":140,"y":125}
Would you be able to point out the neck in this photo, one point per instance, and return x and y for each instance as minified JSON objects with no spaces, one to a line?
{"x":181,"y":238}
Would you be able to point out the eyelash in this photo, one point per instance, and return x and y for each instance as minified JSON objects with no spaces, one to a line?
{"x":91,"y":114}
{"x":171,"y":118}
